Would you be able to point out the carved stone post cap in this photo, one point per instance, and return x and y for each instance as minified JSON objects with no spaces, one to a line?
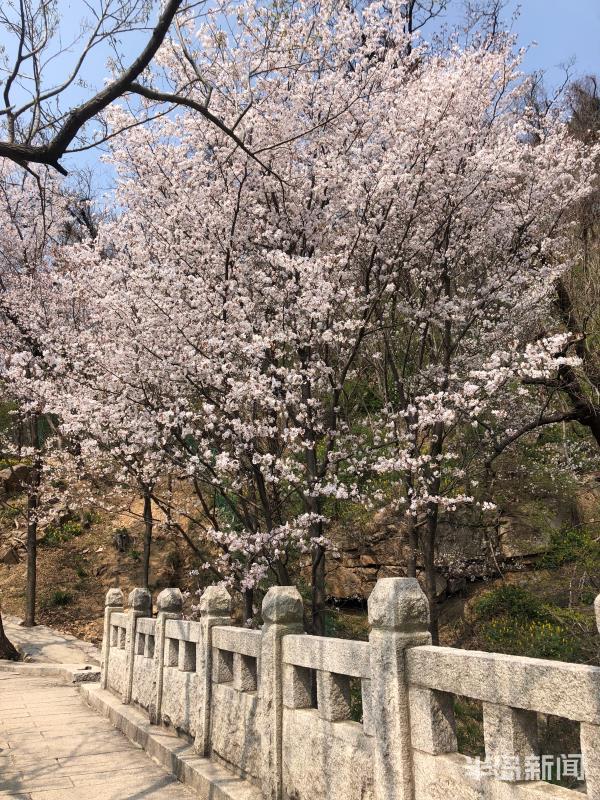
{"x":140,"y":600}
{"x":215,"y":601}
{"x":282,"y":605}
{"x":597,"y":610}
{"x":114,"y":598}
{"x":170,"y":600}
{"x":398,"y":604}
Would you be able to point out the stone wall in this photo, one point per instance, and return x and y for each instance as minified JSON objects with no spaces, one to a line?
{"x":280,"y":707}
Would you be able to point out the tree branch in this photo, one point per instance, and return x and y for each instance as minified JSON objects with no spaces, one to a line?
{"x":540,"y":422}
{"x":52,"y":152}
{"x":175,"y":99}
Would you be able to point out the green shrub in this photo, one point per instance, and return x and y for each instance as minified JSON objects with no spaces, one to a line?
{"x":57,"y":599}
{"x":511,"y":601}
{"x":89,"y":518}
{"x":135,"y":555}
{"x":57,"y":534}
{"x":8,"y":513}
{"x":573,"y":545}
{"x":536,"y":639}
{"x":515,"y":621}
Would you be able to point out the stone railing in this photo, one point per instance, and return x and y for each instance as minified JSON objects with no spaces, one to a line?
{"x":278,"y":707}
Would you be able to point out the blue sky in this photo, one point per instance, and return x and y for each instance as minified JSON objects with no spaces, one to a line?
{"x":564,"y":30}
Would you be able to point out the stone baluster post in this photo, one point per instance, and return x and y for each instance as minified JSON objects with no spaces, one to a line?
{"x":511,"y":738}
{"x":399,"y":619}
{"x":282,"y":613}
{"x":140,"y":605}
{"x":169,"y":605}
{"x":590,"y":743}
{"x":112,"y":605}
{"x":215,"y":609}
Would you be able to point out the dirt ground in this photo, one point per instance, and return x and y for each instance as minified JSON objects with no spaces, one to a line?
{"x":74,"y":575}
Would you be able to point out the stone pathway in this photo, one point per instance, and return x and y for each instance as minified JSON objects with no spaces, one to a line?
{"x":54,"y":747}
{"x":45,"y":645}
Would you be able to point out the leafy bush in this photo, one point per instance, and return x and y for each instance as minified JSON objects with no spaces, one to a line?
{"x":57,"y":599}
{"x":57,"y":534}
{"x":573,"y":545}
{"x":517,"y":622}
{"x":89,"y":518}
{"x":512,"y":601}
{"x":8,"y":513}
{"x":536,"y":639}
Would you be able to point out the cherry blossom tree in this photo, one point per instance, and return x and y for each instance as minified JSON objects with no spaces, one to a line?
{"x":34,"y":217}
{"x":388,"y":220}
{"x":471,"y":247}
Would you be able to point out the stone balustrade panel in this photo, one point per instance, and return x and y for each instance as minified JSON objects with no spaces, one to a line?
{"x":143,"y":665}
{"x":235,"y":711}
{"x":116,"y":670}
{"x":181,"y":662}
{"x":325,"y":682}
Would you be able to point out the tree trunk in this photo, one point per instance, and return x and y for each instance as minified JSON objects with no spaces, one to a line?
{"x":318,"y":590}
{"x":413,"y":546}
{"x":148,"y":527}
{"x":283,"y":574}
{"x":248,"y":604}
{"x":7,"y":648}
{"x":32,"y":525}
{"x":430,"y":574}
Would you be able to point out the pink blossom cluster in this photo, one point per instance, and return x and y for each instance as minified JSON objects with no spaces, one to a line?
{"x":342,"y":300}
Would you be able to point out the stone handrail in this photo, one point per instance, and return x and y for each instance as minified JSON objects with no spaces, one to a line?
{"x":237,"y":640}
{"x":564,"y":690}
{"x":341,"y":656}
{"x":275,"y":705}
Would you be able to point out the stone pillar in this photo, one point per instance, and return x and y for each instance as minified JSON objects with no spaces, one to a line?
{"x":169,"y":604}
{"x":215,"y":609}
{"x":432,"y":723}
{"x":399,"y":619}
{"x":282,"y":613}
{"x":590,"y":742}
{"x":140,"y":605}
{"x":113,"y":604}
{"x":511,"y":738}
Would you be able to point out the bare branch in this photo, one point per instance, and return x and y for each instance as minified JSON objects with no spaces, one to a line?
{"x":51,"y":152}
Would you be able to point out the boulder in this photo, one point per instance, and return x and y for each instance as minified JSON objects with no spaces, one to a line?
{"x":9,"y":555}
{"x":527,"y":529}
{"x":13,"y":479}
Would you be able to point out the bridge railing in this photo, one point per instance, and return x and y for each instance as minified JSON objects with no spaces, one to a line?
{"x":315,"y":718}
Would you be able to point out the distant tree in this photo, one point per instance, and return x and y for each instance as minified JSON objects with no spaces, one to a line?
{"x":38,"y":215}
{"x":573,"y":393}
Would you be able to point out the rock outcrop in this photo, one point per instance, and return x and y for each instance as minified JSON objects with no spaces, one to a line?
{"x":467,"y":548}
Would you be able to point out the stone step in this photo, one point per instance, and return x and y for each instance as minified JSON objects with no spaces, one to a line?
{"x":209,"y":780}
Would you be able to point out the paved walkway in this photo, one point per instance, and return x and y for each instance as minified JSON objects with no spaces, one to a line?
{"x":45,"y":645}
{"x":53,"y":747}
